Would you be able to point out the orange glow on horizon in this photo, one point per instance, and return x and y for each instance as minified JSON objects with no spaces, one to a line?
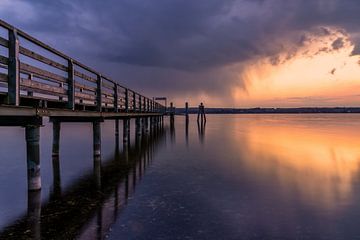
{"x":310,"y":78}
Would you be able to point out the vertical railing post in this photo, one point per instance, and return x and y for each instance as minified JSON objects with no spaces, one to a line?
{"x":144,"y":104}
{"x":126,"y":100}
{"x":147,"y":105}
{"x":134,"y":102}
{"x":71,"y":85}
{"x":116,"y":98}
{"x":99,"y":93}
{"x":13,"y":97}
{"x":140,"y":103}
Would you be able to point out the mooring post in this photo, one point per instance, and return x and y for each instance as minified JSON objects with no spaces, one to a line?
{"x":32,"y":135}
{"x":201,"y":113}
{"x":97,"y":138}
{"x":187,"y":113}
{"x":56,"y":138}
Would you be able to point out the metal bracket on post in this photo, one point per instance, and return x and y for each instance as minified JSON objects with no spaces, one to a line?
{"x":99,"y":93}
{"x":13,"y":97}
{"x":71,"y":85}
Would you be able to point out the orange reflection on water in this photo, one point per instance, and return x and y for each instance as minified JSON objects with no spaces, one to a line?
{"x":319,"y":162}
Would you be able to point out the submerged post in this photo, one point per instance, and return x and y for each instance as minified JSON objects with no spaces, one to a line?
{"x":56,"y":138}
{"x":97,"y":138}
{"x":32,"y":135}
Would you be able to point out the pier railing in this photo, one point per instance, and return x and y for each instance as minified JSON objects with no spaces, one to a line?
{"x":35,"y":74}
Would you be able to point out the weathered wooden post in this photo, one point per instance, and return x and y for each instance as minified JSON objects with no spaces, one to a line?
{"x":99,"y":93}
{"x":201,"y":113}
{"x":56,"y":138}
{"x":97,"y":138}
{"x":13,"y":97}
{"x":116,"y":98}
{"x":32,"y":135}
{"x":71,"y":85}
{"x":126,"y":100}
{"x":134,"y":102}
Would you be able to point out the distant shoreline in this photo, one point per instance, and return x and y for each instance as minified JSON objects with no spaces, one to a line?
{"x":272,"y":110}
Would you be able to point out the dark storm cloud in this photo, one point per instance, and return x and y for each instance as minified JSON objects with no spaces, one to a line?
{"x":181,"y":45}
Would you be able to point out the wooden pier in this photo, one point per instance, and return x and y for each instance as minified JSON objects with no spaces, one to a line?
{"x":39,"y":81}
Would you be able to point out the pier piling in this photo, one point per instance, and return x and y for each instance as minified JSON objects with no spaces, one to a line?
{"x":32,"y":134}
{"x":97,"y":138}
{"x":56,"y":138}
{"x":126,"y":130}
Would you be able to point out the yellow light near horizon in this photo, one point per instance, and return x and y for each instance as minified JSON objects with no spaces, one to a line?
{"x":303,"y":78}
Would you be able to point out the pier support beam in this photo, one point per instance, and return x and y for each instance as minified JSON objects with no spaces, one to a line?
{"x":117,"y":135}
{"x":138,"y":126}
{"x":32,"y":135}
{"x":56,"y":138}
{"x":117,"y":128}
{"x":126,"y":130}
{"x":97,"y":138}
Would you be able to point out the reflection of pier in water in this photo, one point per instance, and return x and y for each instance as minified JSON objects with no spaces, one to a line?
{"x":88,"y":208}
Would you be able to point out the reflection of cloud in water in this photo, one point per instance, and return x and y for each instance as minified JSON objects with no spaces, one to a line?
{"x":320,"y":162}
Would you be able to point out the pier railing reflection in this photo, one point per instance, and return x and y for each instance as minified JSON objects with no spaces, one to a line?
{"x":90,"y":205}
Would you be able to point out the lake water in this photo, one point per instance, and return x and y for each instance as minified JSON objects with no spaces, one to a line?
{"x":237,"y":177}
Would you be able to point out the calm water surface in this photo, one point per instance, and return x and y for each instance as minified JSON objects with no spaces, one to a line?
{"x":239,"y":177}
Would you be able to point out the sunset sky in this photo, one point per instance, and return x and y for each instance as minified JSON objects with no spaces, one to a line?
{"x":226,"y":53}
